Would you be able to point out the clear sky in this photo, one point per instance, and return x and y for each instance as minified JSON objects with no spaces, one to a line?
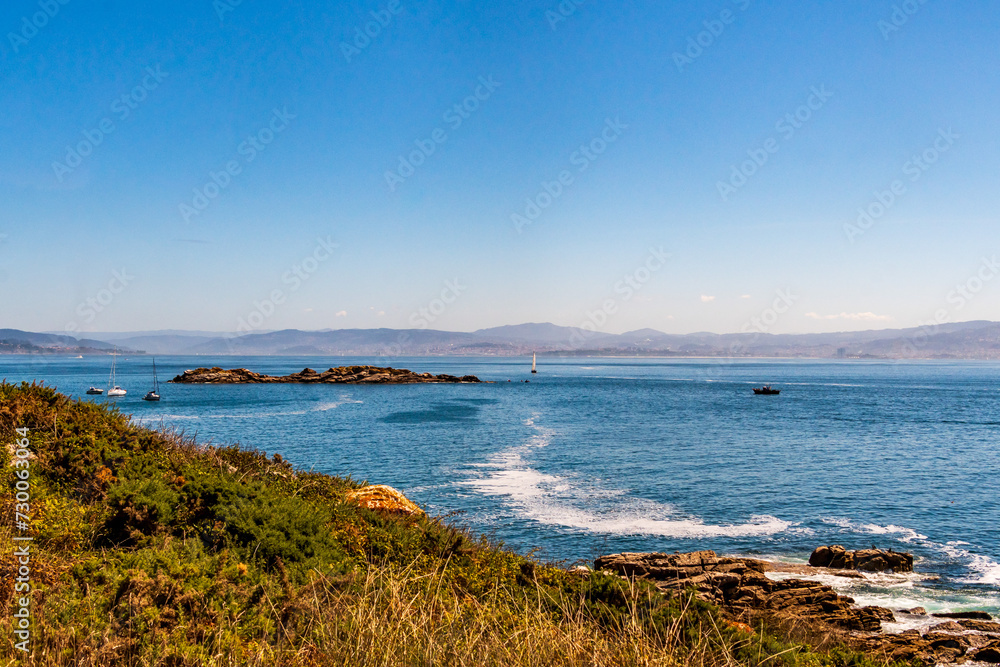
{"x":189,"y":164}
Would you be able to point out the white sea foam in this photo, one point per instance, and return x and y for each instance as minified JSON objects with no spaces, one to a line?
{"x":906,"y":534}
{"x":556,"y":500}
{"x":898,"y":592}
{"x":987,"y":570}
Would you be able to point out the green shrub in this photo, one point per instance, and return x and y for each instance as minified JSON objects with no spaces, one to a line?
{"x":136,"y":510}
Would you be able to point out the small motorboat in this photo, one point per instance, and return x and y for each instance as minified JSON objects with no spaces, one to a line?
{"x":766,"y":390}
{"x":95,"y":390}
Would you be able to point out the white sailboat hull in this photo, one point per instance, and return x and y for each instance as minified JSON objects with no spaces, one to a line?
{"x":113,"y":388}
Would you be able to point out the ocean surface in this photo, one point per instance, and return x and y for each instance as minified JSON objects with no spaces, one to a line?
{"x":596,"y":456}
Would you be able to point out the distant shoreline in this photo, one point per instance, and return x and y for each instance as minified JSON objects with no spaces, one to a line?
{"x":542,"y":355}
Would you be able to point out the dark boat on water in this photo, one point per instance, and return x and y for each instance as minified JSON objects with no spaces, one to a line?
{"x":766,"y":390}
{"x":154,"y":393}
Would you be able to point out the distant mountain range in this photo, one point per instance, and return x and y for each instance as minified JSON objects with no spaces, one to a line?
{"x":963,"y":340}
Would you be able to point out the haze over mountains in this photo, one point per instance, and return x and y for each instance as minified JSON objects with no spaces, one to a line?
{"x":963,"y":340}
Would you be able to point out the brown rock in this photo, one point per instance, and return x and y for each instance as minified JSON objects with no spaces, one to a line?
{"x":869,"y":560}
{"x":340,"y":375}
{"x":990,"y":653}
{"x":740,"y":584}
{"x":821,"y":557}
{"x":916,"y":611}
{"x":980,"y":626}
{"x":975,"y":615}
{"x":950,"y":626}
{"x":383,"y":498}
{"x":931,"y":648}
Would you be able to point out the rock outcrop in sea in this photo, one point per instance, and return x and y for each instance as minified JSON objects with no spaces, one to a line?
{"x":837,"y":557}
{"x":339,"y":375}
{"x":742,"y":587}
{"x":741,"y":583}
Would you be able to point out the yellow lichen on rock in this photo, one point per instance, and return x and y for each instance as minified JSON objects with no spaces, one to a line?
{"x":383,"y":498}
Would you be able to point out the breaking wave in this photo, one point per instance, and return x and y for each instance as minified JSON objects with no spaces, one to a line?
{"x":556,"y":500}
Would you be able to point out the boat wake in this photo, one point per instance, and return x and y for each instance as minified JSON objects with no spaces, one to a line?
{"x":333,"y":405}
{"x":320,"y":407}
{"x":587,"y":506}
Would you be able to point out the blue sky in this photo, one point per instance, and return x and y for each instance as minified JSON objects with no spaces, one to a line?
{"x":136,"y":235}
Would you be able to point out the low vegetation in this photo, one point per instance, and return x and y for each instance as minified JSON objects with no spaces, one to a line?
{"x":152,"y":550}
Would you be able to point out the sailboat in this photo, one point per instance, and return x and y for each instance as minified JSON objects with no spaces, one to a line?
{"x":533,"y":363}
{"x":153,"y":394}
{"x":113,"y":388}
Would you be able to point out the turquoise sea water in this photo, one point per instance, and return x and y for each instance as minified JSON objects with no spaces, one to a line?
{"x":598,"y":456}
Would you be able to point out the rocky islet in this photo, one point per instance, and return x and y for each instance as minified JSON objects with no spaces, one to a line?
{"x":338,"y":375}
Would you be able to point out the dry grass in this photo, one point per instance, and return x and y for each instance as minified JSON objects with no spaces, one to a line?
{"x":403,"y":619}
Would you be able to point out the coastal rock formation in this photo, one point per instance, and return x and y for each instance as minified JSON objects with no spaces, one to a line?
{"x":971,"y":615}
{"x":990,"y":653}
{"x":837,"y":557}
{"x":937,"y":645}
{"x":384,"y":499}
{"x":740,"y":583}
{"x":339,"y":375}
{"x":740,"y":586}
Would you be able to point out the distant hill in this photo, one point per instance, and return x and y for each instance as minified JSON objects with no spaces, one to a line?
{"x":15,"y":341}
{"x":962,"y":340}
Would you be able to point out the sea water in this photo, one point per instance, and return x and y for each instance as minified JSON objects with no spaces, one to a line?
{"x":594,"y":455}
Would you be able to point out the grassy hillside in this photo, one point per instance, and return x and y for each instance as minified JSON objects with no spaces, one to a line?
{"x":153,"y":550}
